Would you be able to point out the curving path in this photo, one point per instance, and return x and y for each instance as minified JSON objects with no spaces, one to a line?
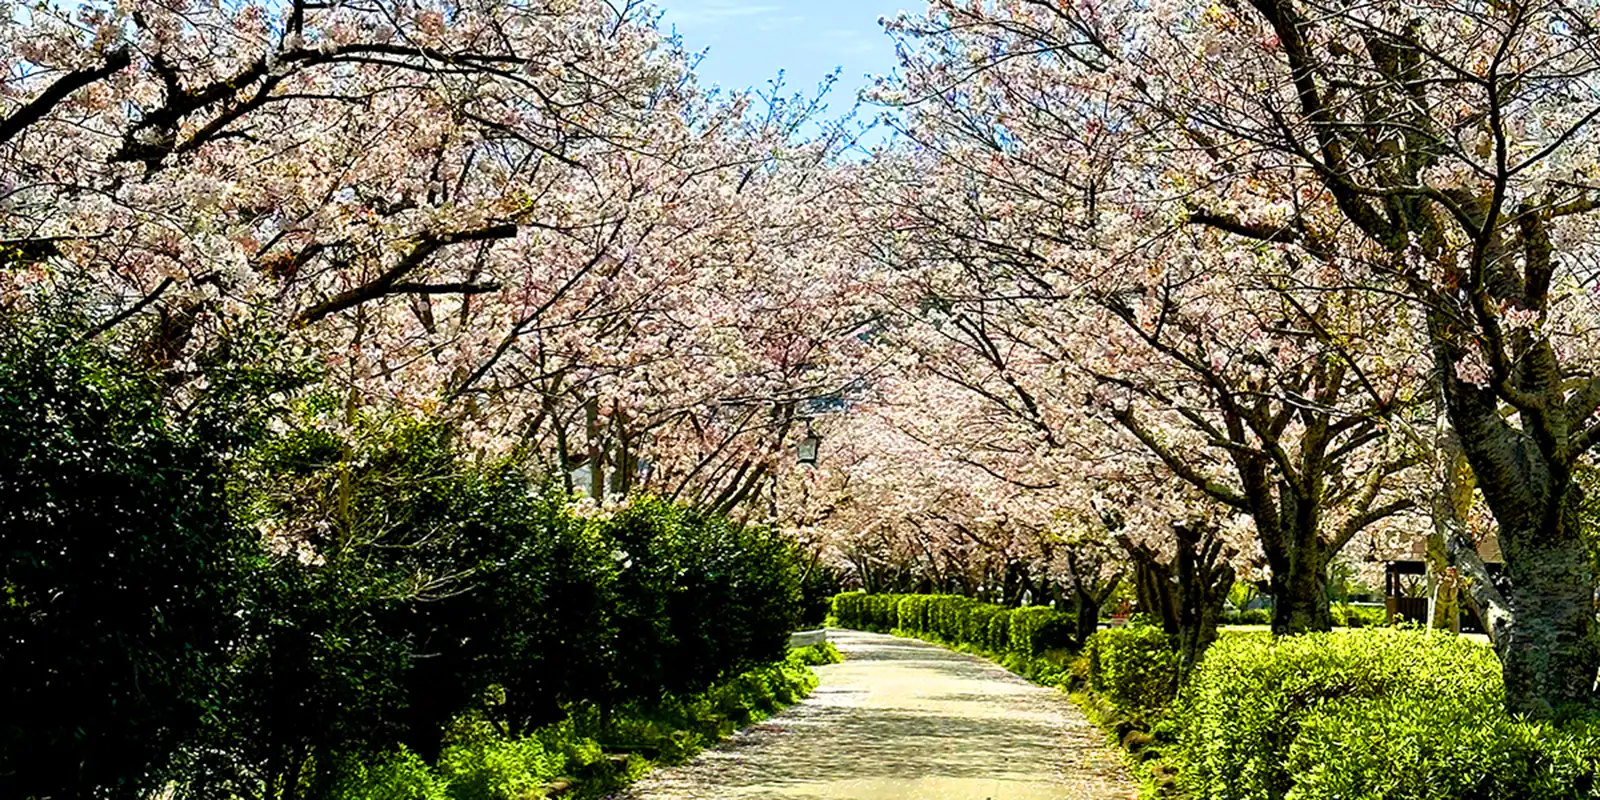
{"x":901,"y":719}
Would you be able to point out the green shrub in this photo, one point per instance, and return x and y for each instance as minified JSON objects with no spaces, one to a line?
{"x":868,"y":612}
{"x":912,"y":612}
{"x":1038,"y":629}
{"x":1410,"y":749}
{"x":1246,"y":706}
{"x":975,"y":624}
{"x":1134,"y":668}
{"x":480,"y":764}
{"x":947,"y":617}
{"x":697,"y":599}
{"x":1014,"y":635}
{"x":817,"y":588}
{"x":1346,"y":615}
{"x":816,"y":655}
{"x":125,"y":571}
{"x":400,"y":775}
{"x":998,"y":637}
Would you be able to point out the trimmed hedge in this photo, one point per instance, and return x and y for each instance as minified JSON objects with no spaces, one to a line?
{"x":1346,"y":615}
{"x":1254,"y":616}
{"x":1134,"y":668}
{"x":1026,"y":632}
{"x":1384,"y":713}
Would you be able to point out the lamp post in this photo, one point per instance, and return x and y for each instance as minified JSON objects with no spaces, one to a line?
{"x":806,"y":450}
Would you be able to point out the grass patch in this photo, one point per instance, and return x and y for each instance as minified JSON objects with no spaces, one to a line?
{"x":589,"y":755}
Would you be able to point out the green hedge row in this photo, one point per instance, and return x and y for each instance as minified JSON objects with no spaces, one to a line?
{"x":1026,"y":632}
{"x":1377,"y":714}
{"x":1254,"y":616}
{"x":246,"y":599}
{"x":1345,"y":615}
{"x":1135,"y":669}
{"x":1392,"y":714}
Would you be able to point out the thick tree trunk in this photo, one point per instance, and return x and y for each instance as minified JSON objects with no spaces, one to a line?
{"x":1548,"y":649}
{"x":1205,"y":579}
{"x":1300,"y":596}
{"x":1088,"y":610}
{"x":1549,"y":654}
{"x":1300,"y":575}
{"x":1187,"y":593}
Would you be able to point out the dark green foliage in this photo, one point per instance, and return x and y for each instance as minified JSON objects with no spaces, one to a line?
{"x":697,"y":598}
{"x":1135,"y":669}
{"x":123,"y":571}
{"x":319,"y":685}
{"x":1254,"y":616}
{"x":818,"y":584}
{"x":1023,"y":632}
{"x":149,"y":636}
{"x":531,"y":613}
{"x":439,"y":583}
{"x":1346,"y":615}
{"x":1391,"y":714}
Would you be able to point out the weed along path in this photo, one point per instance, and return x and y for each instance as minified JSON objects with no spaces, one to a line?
{"x":901,"y":719}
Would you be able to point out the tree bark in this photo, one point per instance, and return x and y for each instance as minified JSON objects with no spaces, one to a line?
{"x":1548,"y":648}
{"x":1299,"y":559}
{"x":1088,"y":611}
{"x":1186,"y":593}
{"x":1204,"y":578}
{"x":1300,"y":593}
{"x":1549,"y":654}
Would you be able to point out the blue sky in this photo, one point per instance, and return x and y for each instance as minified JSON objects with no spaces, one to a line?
{"x":750,"y":41}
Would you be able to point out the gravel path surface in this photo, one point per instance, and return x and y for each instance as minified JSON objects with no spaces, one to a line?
{"x":901,"y":719}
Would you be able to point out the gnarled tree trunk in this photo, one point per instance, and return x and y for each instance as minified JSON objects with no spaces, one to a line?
{"x":1298,"y":556}
{"x":1548,"y":648}
{"x":1185,"y":592}
{"x":1300,"y":590}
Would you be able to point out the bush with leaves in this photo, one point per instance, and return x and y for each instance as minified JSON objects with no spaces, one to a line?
{"x":124,"y":571}
{"x":1025,"y":633}
{"x":1346,"y":615}
{"x":1380,"y":713}
{"x":1135,"y":669}
{"x":695,"y":599}
{"x":197,"y":603}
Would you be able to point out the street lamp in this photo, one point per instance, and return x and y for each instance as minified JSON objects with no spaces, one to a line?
{"x":806,"y":450}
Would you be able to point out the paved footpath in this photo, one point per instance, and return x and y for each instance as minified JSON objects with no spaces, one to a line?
{"x":901,"y":719}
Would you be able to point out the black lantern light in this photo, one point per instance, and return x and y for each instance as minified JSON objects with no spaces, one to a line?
{"x":806,"y":450}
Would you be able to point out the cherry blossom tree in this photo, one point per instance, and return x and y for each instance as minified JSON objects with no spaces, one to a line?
{"x":1454,"y":145}
{"x":1064,"y":272}
{"x":527,"y":217}
{"x":1437,"y":153}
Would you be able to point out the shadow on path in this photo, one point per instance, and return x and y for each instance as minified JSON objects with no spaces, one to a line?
{"x":901,"y":719}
